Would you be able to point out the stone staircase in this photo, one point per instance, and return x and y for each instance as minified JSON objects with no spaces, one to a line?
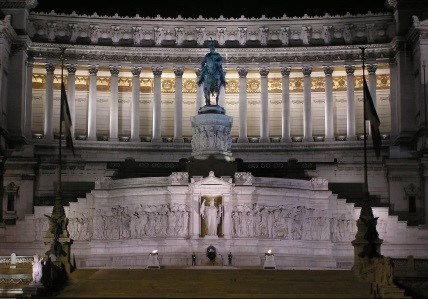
{"x":197,"y":282}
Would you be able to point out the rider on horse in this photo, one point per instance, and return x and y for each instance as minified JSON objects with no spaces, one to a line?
{"x":212,"y":74}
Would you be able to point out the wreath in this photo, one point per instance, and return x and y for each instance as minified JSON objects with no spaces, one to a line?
{"x":211,"y":253}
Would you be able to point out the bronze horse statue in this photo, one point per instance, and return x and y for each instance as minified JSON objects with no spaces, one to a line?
{"x":212,"y":75}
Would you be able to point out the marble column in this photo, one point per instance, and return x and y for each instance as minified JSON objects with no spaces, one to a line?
{"x":114,"y":103}
{"x":393,"y":98}
{"x":135,"y":106}
{"x":48,"y":121}
{"x":200,"y":100}
{"x":286,"y":129}
{"x":350,"y":111}
{"x":307,"y":105}
{"x":92,"y":105}
{"x":178,"y":104}
{"x":329,"y":134}
{"x":71,"y":95}
{"x":371,"y":69}
{"x":243,"y":138}
{"x":157,"y":73}
{"x":222,"y":94}
{"x":264,"y":105}
{"x":28,"y":100}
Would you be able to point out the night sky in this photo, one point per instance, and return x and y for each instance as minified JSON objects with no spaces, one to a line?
{"x":192,"y":9}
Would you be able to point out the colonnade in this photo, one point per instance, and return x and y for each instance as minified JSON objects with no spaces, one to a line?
{"x":178,"y":102}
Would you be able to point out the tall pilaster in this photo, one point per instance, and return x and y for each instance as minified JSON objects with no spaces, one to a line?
{"x":114,"y":103}
{"x":286,"y":130}
{"x":393,"y":98}
{"x":16,"y":92}
{"x":178,"y":104}
{"x":135,"y":107}
{"x":48,"y":127}
{"x":28,"y":99}
{"x":71,"y":95}
{"x":264,"y":105}
{"x":200,"y":101}
{"x":92,"y":105}
{"x":329,"y":134}
{"x":350,"y":111}
{"x":157,"y":73}
{"x":243,"y":105}
{"x":307,"y":106}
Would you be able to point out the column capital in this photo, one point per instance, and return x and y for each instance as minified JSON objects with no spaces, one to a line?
{"x":114,"y":70}
{"x":350,"y":69}
{"x":50,"y":67}
{"x":93,"y":69}
{"x":178,"y":71}
{"x":71,"y":68}
{"x":328,"y":70}
{"x":264,"y":71}
{"x":136,"y":71}
{"x":242,"y":72}
{"x":307,"y":70}
{"x":157,"y":71}
{"x":371,"y":68}
{"x":285,"y":71}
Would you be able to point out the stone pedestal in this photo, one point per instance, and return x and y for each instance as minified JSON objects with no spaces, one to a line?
{"x":211,"y":136}
{"x":269,"y":262}
{"x":211,"y":143}
{"x":153,"y":261}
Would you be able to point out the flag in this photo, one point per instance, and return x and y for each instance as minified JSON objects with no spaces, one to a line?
{"x":66,"y":118}
{"x":371,"y":115}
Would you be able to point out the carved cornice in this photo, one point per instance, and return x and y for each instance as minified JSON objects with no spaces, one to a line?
{"x":25,"y":4}
{"x":284,"y":31}
{"x":192,"y":56}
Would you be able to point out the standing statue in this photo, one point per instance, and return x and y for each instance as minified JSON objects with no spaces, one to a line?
{"x":37,"y":269}
{"x":212,"y":215}
{"x":212,"y":75}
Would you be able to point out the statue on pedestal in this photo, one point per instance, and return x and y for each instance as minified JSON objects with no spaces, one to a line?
{"x":212,"y":75}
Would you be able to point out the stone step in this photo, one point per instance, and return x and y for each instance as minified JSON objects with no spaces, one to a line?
{"x":232,"y":283}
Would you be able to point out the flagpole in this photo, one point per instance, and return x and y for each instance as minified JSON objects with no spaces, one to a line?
{"x":365,"y":186}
